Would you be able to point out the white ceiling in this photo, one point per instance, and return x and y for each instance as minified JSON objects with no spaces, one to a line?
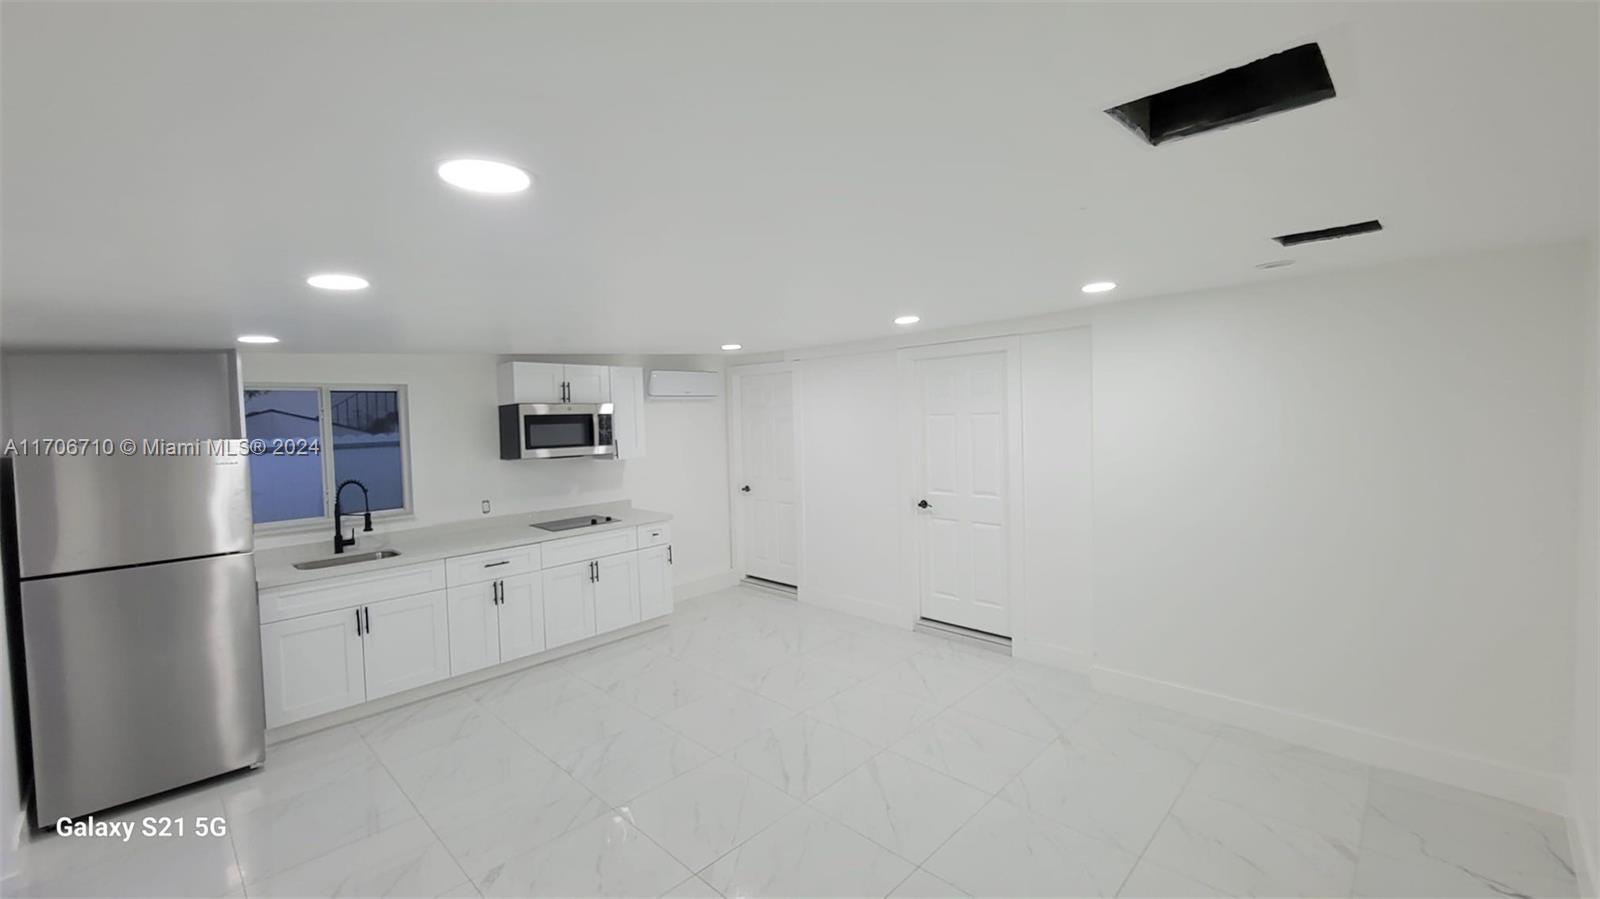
{"x":776,"y":176}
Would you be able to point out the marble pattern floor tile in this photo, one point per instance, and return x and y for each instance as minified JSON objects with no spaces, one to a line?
{"x":756,"y":746}
{"x":807,"y":854}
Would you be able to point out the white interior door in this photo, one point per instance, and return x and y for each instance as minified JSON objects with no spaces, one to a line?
{"x":961,"y":474}
{"x":766,"y":497}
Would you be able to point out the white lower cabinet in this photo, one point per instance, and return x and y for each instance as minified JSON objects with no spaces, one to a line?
{"x":568,"y":603}
{"x":311,"y":666}
{"x":407,"y":643}
{"x":616,"y":592}
{"x":655,"y":582}
{"x":521,"y":616}
{"x":474,"y":627}
{"x":379,"y":643}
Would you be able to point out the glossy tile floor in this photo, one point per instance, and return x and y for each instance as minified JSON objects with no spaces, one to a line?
{"x":760,"y":748}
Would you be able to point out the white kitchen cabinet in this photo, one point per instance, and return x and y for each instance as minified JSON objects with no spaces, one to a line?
{"x":407,"y":643}
{"x":553,"y":382}
{"x":521,"y":616}
{"x":655,"y":582}
{"x":627,"y":411}
{"x":616,"y":592}
{"x":568,"y":604}
{"x":474,"y":626}
{"x":312,"y":665}
{"x":588,"y":383}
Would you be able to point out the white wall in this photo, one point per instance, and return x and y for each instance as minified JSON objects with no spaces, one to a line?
{"x":848,"y":457}
{"x":1585,"y":790}
{"x":455,"y":460}
{"x":1055,"y":611}
{"x":1342,"y":508}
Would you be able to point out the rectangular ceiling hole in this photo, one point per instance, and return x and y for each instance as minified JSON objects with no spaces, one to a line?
{"x":1300,"y":237}
{"x":1283,"y":81}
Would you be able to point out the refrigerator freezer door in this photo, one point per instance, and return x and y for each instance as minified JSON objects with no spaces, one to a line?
{"x":88,"y":512}
{"x":141,"y":680}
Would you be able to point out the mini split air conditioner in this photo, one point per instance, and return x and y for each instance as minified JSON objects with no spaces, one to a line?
{"x":685,"y":384}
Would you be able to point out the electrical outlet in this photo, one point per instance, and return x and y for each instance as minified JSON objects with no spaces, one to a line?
{"x":486,"y":507}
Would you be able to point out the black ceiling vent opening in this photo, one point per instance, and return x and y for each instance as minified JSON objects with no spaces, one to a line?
{"x":1280,"y":82}
{"x":1300,"y":237}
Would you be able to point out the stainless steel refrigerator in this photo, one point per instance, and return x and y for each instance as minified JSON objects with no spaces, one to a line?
{"x":134,"y":584}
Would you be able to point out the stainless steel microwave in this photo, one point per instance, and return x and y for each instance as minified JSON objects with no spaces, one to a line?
{"x":556,"y":431}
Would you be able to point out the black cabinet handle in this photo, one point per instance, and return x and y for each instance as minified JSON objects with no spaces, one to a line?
{"x":923,"y":505}
{"x":368,"y":610}
{"x":358,"y":622}
{"x":745,"y":489}
{"x":497,"y":564}
{"x":669,"y":554}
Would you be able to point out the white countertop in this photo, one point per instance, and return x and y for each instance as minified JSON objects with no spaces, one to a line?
{"x":275,"y":567}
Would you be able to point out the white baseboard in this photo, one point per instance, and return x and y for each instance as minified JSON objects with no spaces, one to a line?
{"x":849,"y":605}
{"x":1054,"y":656}
{"x":1583,"y":857}
{"x":1539,"y":789}
{"x":722,"y":580}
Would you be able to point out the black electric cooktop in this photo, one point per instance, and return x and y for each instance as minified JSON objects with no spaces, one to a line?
{"x":568,"y":524}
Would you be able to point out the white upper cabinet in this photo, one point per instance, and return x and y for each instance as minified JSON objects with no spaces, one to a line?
{"x":588,"y":383}
{"x":553,"y":382}
{"x":627,"y":413}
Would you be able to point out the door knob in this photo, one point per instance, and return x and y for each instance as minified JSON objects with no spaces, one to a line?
{"x":745,"y":489}
{"x":924,"y":505}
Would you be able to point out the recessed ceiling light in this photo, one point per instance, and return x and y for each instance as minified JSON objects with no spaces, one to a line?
{"x":907,"y":320}
{"x":730,"y":347}
{"x":335,"y":281}
{"x":257,"y":338}
{"x":1099,"y":286}
{"x":484,"y":176}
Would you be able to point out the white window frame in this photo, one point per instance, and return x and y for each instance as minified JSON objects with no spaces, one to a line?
{"x":325,"y":425}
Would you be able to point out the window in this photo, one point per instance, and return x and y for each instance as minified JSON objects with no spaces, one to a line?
{"x":292,"y":478}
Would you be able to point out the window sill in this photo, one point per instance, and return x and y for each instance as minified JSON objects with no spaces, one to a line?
{"x":323,"y":525}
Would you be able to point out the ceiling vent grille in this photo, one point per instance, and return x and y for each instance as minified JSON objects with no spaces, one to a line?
{"x":1289,"y":80}
{"x":1300,"y":237}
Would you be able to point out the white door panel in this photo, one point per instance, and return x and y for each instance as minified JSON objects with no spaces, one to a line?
{"x":312,"y":666}
{"x":474,"y":627}
{"x":767,"y":493}
{"x":521,"y":616}
{"x":588,"y":383}
{"x":655,"y":582}
{"x":963,"y":475}
{"x":568,"y":604}
{"x":407,"y":643}
{"x":616,"y":592}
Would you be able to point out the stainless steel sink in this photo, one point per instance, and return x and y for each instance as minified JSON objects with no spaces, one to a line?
{"x":373,"y":556}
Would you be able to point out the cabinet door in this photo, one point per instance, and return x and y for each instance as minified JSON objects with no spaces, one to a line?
{"x":568,"y":604}
{"x":311,"y":666}
{"x":474,"y":627}
{"x":655,"y":582}
{"x":588,"y":383}
{"x":521,"y":616}
{"x":627,"y":419}
{"x":407,"y":643}
{"x":531,"y":382}
{"x":616,"y":592}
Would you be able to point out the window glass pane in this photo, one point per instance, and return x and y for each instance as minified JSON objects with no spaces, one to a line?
{"x":366,"y":446}
{"x":286,"y":480}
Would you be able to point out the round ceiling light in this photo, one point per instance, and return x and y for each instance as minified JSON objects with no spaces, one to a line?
{"x":257,"y":338}
{"x":336,"y":281}
{"x":485,"y":176}
{"x":1099,"y":286}
{"x":907,"y":320}
{"x":730,"y":347}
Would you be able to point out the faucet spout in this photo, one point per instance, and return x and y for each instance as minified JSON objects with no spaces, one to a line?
{"x":340,"y":541}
